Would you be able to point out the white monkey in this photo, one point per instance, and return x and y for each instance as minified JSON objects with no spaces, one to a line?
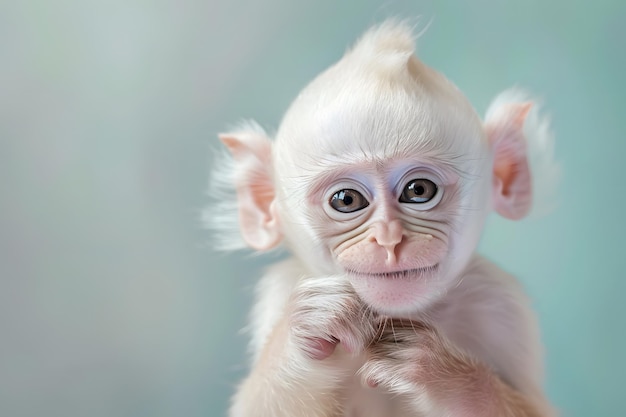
{"x":378,"y":182}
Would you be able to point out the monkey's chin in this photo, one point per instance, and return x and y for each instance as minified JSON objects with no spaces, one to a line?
{"x":399,"y":292}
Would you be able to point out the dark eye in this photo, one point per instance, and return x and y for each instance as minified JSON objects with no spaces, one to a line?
{"x":347,"y":201}
{"x":418,"y":191}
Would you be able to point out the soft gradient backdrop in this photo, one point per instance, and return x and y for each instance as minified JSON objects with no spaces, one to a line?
{"x":112,"y":302}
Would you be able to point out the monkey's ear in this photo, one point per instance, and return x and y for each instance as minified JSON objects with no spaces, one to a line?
{"x":252,"y":155}
{"x":512,"y":185}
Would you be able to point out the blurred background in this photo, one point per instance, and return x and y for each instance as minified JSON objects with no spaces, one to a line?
{"x":112,"y":301}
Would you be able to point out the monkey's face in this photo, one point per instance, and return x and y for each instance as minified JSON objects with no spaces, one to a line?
{"x":394,"y":200}
{"x":389,"y":226}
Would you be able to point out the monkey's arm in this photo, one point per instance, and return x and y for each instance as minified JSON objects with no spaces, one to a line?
{"x":284,"y":382}
{"x":296,"y":323}
{"x":280,"y":382}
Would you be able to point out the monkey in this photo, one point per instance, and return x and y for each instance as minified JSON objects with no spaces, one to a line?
{"x":378,"y":183}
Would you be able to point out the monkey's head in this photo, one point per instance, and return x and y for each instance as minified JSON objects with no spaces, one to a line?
{"x":381,"y":170}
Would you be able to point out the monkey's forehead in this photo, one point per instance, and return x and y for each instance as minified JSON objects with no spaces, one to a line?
{"x":373,"y":117}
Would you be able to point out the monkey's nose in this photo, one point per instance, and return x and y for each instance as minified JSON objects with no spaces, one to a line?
{"x":388,"y":235}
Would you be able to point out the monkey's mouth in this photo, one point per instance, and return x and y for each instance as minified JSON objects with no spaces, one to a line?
{"x":402,"y":274}
{"x":395,"y":291}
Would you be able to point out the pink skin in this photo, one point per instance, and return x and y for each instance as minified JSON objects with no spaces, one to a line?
{"x":391,"y":269}
{"x":385,"y":269}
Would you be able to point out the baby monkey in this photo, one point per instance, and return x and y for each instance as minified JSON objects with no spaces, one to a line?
{"x":379,"y":182}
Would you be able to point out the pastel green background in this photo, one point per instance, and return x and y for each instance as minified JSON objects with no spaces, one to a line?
{"x":112,"y":302}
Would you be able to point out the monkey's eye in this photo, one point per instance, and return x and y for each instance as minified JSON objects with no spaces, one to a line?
{"x":418,"y":191}
{"x":348,"y":201}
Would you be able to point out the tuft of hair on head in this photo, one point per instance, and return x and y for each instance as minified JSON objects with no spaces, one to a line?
{"x":389,"y":44}
{"x":389,"y":37}
{"x":540,"y":142}
{"x":221,"y":215}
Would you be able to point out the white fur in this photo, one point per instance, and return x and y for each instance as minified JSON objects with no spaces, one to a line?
{"x":272,"y":293}
{"x":379,"y":76}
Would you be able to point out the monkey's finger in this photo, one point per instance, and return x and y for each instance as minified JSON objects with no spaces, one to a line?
{"x":318,"y":348}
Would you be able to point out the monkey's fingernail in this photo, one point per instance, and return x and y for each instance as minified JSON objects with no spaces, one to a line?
{"x":372,"y":383}
{"x":320,"y":348}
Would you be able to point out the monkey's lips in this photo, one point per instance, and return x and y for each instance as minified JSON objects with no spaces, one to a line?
{"x":396,"y":290}
{"x":415,"y":273}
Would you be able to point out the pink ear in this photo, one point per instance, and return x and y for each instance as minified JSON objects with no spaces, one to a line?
{"x":252,"y":152}
{"x":512,"y":185}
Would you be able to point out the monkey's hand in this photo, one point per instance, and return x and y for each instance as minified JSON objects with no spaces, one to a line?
{"x":326,"y":312}
{"x":288,"y":378}
{"x":412,"y":358}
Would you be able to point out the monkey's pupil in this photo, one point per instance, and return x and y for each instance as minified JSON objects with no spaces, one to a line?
{"x":348,"y":201}
{"x":419,"y":190}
